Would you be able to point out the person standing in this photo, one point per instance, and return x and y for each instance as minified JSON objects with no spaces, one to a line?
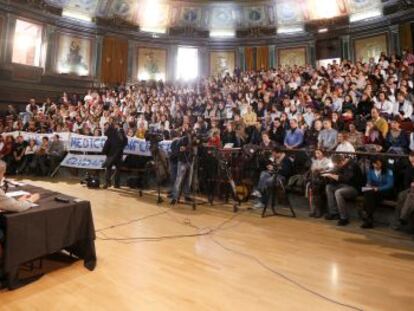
{"x":113,"y":149}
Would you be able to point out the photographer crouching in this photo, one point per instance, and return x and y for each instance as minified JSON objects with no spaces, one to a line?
{"x":279,"y":169}
{"x":113,"y":149}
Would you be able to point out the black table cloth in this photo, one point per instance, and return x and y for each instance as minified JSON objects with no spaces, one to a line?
{"x":49,"y":228}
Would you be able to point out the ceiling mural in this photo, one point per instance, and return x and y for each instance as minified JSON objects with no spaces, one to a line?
{"x":219,"y":15}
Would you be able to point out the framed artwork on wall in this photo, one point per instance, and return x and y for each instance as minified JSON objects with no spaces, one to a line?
{"x":222,"y":62}
{"x":152,"y":64}
{"x":74,"y":55}
{"x":370,"y":47}
{"x":292,"y":56}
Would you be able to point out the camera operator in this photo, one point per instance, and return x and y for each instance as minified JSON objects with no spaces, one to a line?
{"x":279,"y":169}
{"x":113,"y":149}
{"x":343,"y":184}
{"x":184,"y":162}
{"x":173,"y":159}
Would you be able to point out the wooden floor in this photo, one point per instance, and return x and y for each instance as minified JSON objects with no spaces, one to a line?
{"x":248,"y":263}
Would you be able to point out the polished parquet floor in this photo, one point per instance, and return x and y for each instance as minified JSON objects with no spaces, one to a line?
{"x":210,"y":259}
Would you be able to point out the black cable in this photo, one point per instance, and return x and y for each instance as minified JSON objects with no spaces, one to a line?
{"x":131,"y":221}
{"x":210,"y":232}
{"x":285,"y":277}
{"x":187,"y":222}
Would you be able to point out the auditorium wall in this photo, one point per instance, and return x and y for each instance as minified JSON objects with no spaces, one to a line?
{"x":75,"y":57}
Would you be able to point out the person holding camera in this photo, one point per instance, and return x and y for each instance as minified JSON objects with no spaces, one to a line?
{"x":184,"y":162}
{"x":343,"y":184}
{"x":279,"y":169}
{"x":380,"y":182}
{"x":113,"y":149}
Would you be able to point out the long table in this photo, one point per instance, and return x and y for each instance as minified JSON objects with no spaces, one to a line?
{"x":49,"y":228}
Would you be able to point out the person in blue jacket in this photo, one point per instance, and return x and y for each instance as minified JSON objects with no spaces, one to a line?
{"x":380,"y":183}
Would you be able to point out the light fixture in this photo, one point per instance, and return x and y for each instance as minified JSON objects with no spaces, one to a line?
{"x":322,"y":30}
{"x":288,"y":30}
{"x":356,"y":17}
{"x":222,"y":34}
{"x":77,"y":15}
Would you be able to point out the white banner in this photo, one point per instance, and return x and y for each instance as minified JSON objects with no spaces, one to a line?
{"x":82,"y":143}
{"x":84,"y":161}
{"x":135,"y":146}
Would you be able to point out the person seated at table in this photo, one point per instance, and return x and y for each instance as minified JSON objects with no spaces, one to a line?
{"x":278,"y":171}
{"x":12,"y":205}
{"x":380,"y":182}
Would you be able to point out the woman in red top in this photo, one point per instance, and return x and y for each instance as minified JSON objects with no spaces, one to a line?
{"x":214,"y":140}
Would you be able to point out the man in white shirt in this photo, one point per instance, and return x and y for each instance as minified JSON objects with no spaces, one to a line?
{"x":343,"y":144}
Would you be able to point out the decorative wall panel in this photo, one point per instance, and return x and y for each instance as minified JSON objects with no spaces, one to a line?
{"x":222,"y":62}
{"x":292,"y":56}
{"x":365,"y":48}
{"x":152,"y":64}
{"x":74,"y":55}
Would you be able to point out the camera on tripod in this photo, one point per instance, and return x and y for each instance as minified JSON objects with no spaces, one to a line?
{"x":199,"y":139}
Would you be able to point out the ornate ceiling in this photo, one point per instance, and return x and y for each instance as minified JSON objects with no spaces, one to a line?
{"x":218,"y":14}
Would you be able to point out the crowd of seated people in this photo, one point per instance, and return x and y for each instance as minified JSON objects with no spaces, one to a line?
{"x":343,"y":107}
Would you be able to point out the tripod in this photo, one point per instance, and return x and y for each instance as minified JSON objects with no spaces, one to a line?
{"x":158,"y":162}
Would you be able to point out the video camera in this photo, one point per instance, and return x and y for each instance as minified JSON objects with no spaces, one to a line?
{"x":91,"y":181}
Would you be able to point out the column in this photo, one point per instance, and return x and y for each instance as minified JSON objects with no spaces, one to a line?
{"x":6,"y":53}
{"x":311,"y":53}
{"x":394,"y":38}
{"x":203,"y":62}
{"x":241,"y":63}
{"x":132,"y":62}
{"x":51,"y":46}
{"x":96,"y":65}
{"x":346,"y":51}
{"x":171,"y":62}
{"x":272,"y":56}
